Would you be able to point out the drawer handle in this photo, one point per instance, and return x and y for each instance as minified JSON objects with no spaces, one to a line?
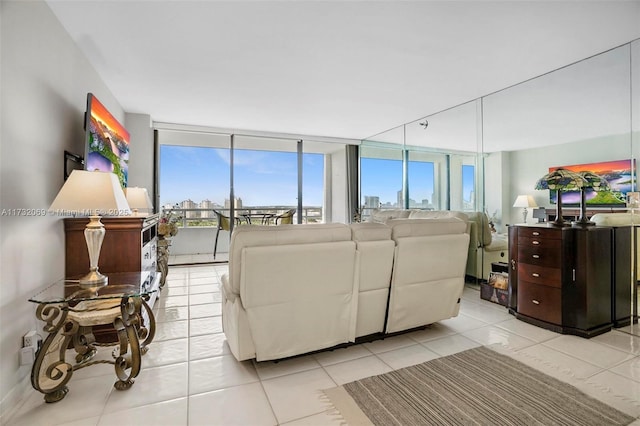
{"x":535,"y":256}
{"x":535,"y":274}
{"x":536,"y":233}
{"x":535,"y":243}
{"x":535,"y":302}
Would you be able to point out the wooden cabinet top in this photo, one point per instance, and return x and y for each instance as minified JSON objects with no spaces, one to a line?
{"x":113,"y":222}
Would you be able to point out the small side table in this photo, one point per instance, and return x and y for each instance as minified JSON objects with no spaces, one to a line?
{"x":70,"y":312}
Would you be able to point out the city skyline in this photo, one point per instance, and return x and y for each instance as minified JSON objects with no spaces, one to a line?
{"x":269,"y":178}
{"x":260,"y":177}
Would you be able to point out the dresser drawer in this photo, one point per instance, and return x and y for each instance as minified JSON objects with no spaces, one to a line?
{"x":533,"y":242}
{"x":542,"y":275}
{"x":541,"y":256}
{"x":539,"y":301}
{"x":537,"y":233}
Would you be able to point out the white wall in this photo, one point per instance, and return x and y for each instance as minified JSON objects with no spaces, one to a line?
{"x":339,"y":187}
{"x":199,"y":240}
{"x":44,"y":80}
{"x":141,"y":151}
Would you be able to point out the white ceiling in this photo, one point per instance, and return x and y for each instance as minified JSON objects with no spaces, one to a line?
{"x":330,"y":68}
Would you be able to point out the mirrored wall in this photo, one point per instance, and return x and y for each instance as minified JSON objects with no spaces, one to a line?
{"x":587,"y":112}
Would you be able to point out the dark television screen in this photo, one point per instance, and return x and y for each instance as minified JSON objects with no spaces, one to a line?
{"x":620,"y":174}
{"x":107,"y":146}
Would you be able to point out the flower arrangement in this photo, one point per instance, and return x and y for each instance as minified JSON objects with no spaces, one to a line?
{"x":168,"y":226}
{"x":493,"y":219}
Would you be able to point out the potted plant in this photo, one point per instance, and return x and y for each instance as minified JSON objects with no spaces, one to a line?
{"x":168,"y":226}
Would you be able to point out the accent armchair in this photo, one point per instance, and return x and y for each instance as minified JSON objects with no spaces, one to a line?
{"x":285,"y":218}
{"x":224,"y":224}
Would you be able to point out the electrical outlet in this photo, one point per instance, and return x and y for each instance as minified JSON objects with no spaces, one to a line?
{"x":27,"y":355}
{"x":30,"y":340}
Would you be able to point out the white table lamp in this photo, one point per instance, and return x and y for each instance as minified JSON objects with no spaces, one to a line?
{"x":91,"y":194}
{"x":525,"y":201}
{"x":139,"y":201}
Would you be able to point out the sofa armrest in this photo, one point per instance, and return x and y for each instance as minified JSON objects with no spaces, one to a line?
{"x":228,"y":289}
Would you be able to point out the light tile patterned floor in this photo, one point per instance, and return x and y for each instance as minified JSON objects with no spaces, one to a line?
{"x":189,"y":376}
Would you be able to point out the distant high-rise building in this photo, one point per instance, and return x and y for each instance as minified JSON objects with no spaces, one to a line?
{"x":189,"y":204}
{"x":237,"y":203}
{"x":400,"y":202}
{"x":371,"y":201}
{"x":206,"y":206}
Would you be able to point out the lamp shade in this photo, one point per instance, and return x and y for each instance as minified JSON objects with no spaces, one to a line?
{"x":594,"y":181}
{"x":561,"y":179}
{"x":91,"y":193}
{"x":525,"y":201}
{"x":139,"y":200}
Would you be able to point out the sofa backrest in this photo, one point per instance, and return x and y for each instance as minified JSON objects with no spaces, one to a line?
{"x":382,"y":215}
{"x":480,"y":229}
{"x":424,"y":227}
{"x":428,"y":271}
{"x":297,"y":285}
{"x":615,"y":219}
{"x":264,"y":235}
{"x":375,"y":249}
{"x":437,"y":214}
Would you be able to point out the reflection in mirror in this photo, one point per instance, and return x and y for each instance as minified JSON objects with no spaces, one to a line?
{"x":634,"y":328}
{"x":381,"y":172}
{"x":442,"y":159}
{"x":575,"y":115}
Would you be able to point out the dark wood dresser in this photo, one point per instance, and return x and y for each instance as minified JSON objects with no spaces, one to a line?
{"x":130,"y":245}
{"x":560,"y":278}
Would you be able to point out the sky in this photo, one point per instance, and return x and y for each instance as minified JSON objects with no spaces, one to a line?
{"x":265,"y":178}
{"x":261,"y":178}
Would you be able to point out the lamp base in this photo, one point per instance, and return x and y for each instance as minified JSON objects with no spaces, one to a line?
{"x":558,"y":223}
{"x":94,"y":279}
{"x":582,"y":223}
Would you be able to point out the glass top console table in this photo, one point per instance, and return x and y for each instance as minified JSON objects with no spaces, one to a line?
{"x":70,"y":313}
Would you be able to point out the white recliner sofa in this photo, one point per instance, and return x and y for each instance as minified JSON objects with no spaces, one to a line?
{"x":290,"y":289}
{"x":294,"y":289}
{"x":485,"y":247}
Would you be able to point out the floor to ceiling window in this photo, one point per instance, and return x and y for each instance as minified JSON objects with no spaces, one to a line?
{"x":434,"y":180}
{"x":194,"y":176}
{"x":381,"y":182}
{"x":270,"y":175}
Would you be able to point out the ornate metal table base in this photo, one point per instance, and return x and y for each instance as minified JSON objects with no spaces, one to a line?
{"x":51,"y":372}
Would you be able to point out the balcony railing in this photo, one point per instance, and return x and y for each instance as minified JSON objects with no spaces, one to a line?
{"x":245,"y":215}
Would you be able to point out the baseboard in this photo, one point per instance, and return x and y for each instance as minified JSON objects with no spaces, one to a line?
{"x":11,"y":403}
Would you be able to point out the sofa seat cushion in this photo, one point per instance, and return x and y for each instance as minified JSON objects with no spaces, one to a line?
{"x":499,"y":242}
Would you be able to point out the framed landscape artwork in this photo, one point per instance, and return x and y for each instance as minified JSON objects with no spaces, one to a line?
{"x":107,"y":147}
{"x":621,"y":177}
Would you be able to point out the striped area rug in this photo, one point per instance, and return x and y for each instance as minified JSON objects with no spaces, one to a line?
{"x":475,"y":387}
